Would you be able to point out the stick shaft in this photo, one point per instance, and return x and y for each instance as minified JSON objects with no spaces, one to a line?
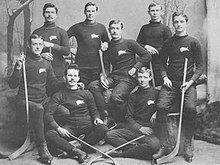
{"x":176,"y":149}
{"x":27,"y":141}
{"x":152,"y":73}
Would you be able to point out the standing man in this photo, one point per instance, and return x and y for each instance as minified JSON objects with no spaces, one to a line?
{"x":152,"y":36}
{"x":121,"y":54}
{"x":82,"y":119}
{"x":56,"y":42}
{"x":176,"y":49}
{"x":91,"y":36}
{"x":140,"y":107}
{"x":39,"y":72}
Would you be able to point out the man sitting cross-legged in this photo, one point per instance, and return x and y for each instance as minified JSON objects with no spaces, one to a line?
{"x":139,"y":110}
{"x":83,"y":118}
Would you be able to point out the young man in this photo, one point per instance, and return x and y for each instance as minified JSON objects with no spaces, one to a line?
{"x":90,"y":36}
{"x":39,"y":72}
{"x":56,"y":42}
{"x":152,"y":36}
{"x":83,"y":118}
{"x":140,"y":107}
{"x":121,"y":54}
{"x":176,"y":49}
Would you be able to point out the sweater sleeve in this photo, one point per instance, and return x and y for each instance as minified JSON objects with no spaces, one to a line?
{"x":15,"y":78}
{"x":197,"y":53}
{"x":140,"y":38}
{"x":145,"y":56}
{"x":105,"y":37}
{"x":52,"y":107}
{"x":163,"y":61}
{"x":64,"y":47}
{"x":91,"y":105}
{"x":130,"y":107}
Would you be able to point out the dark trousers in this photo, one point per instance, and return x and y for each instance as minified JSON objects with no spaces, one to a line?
{"x":121,"y":88}
{"x":145,"y":148}
{"x":93,"y":134}
{"x":89,"y":75}
{"x":36,"y":113}
{"x":166,"y":100}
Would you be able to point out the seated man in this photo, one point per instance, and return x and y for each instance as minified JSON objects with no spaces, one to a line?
{"x":121,"y":54}
{"x":140,"y":108}
{"x":39,"y":73}
{"x":83,"y":119}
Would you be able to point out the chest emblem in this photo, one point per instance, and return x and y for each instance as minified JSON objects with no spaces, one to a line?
{"x":183,"y":49}
{"x":41,"y":70}
{"x":53,"y":38}
{"x":120,"y":52}
{"x":78,"y":102}
{"x":94,"y":36}
{"x":149,"y":102}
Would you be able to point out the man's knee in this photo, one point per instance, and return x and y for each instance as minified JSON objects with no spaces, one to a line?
{"x":112,"y":135}
{"x":94,"y":86}
{"x":50,"y":134}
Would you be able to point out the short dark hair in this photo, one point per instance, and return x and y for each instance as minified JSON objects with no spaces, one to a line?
{"x":143,"y":70}
{"x":154,"y":4}
{"x":71,"y":66}
{"x":114,"y":21}
{"x":49,"y":5}
{"x":177,"y":13}
{"x":90,"y":4}
{"x":33,"y":36}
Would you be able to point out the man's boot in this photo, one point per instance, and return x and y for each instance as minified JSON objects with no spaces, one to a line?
{"x":160,"y":153}
{"x":79,"y":155}
{"x":188,"y":147}
{"x":45,"y":156}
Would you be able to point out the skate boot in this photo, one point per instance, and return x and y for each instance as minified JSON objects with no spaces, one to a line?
{"x":45,"y":156}
{"x":79,"y":155}
{"x":188,"y":147}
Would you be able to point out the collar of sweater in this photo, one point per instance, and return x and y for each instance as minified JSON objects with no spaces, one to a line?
{"x":33,"y":56}
{"x":117,"y":41}
{"x":87,"y":23}
{"x":180,"y":37}
{"x":49,"y":24}
{"x":155,"y":23}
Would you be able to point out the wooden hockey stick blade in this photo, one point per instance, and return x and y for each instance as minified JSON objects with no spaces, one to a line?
{"x":89,"y":145}
{"x":22,"y":149}
{"x":114,"y":149}
{"x":168,"y":157}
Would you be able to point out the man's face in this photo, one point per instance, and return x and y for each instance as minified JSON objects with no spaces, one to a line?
{"x":36,"y":46}
{"x":72,"y":77}
{"x":90,"y":13}
{"x":115,"y":31}
{"x":179,"y":23}
{"x":143,"y":79}
{"x":155,"y":13}
{"x":50,"y":14}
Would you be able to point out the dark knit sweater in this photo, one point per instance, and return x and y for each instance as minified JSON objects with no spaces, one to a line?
{"x":89,"y":37}
{"x":38,"y":73}
{"x":79,"y":102}
{"x":154,"y":34}
{"x":58,"y":36}
{"x":121,"y":54}
{"x":140,"y":107}
{"x":175,"y":67}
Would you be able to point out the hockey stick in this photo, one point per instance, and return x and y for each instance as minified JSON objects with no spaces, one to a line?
{"x":176,"y":149}
{"x":89,"y":145}
{"x":114,"y":149}
{"x":102,"y":67}
{"x":27,"y":141}
{"x":152,"y":73}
